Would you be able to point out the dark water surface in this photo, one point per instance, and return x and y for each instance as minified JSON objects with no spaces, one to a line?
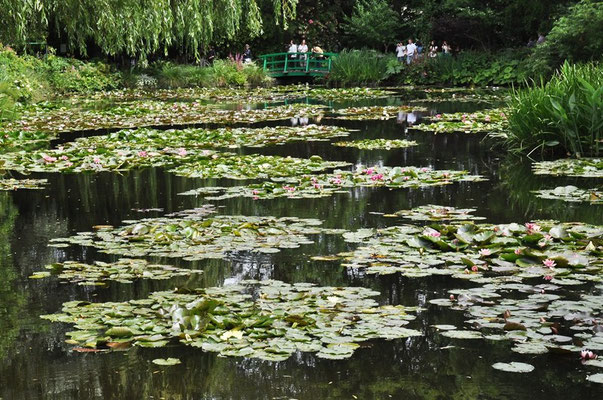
{"x":35,"y":363}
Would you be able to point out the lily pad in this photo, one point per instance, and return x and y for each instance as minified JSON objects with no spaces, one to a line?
{"x":514,"y":366}
{"x":374,"y":144}
{"x":166,"y":361}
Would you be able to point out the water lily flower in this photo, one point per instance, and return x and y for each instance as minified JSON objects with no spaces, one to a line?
{"x":369,"y":171}
{"x":424,"y":169}
{"x":48,"y":158}
{"x":97,"y":160}
{"x":316,"y":186}
{"x":68,"y":164}
{"x":474,"y":268}
{"x":549,"y":263}
{"x":587,"y":355}
{"x":255,"y":191}
{"x":377,"y":177}
{"x":60,"y":147}
{"x":142,"y":153}
{"x":484,"y":252}
{"x":517,"y":251}
{"x":182,"y":152}
{"x":438,"y":116}
{"x":434,"y":234}
{"x":531,"y":227}
{"x":310,"y":21}
{"x":548,"y":277}
{"x":451,"y":297}
{"x":64,"y":158}
{"x":487,"y":119}
{"x":337,"y":181}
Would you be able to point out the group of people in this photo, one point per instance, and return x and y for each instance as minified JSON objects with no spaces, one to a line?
{"x":413,"y":51}
{"x":300,"y":51}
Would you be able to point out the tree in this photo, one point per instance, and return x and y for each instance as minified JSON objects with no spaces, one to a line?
{"x":136,"y":27}
{"x":373,"y":24}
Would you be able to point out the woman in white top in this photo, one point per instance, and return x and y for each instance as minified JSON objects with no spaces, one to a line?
{"x":400,"y":51}
{"x":303,"y":48}
{"x":446,"y":48}
{"x":292,"y":49}
{"x":433,"y":49}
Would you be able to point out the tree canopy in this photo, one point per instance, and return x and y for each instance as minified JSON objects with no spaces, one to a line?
{"x":136,"y":27}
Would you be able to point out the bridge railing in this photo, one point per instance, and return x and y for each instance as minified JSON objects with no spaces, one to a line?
{"x":298,"y":63}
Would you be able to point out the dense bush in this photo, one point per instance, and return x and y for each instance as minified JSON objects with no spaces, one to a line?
{"x":564,"y":113}
{"x":71,"y":75}
{"x":577,"y":37}
{"x":359,"y":68}
{"x":221,"y":73}
{"x":469,"y":68}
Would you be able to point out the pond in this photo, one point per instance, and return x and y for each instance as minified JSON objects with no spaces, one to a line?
{"x":429,"y":315}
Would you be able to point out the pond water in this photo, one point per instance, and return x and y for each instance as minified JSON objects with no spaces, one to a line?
{"x":36,"y":363}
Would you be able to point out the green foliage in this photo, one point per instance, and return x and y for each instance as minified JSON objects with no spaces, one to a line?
{"x":471,"y":68}
{"x":564,"y":113}
{"x":577,"y":37}
{"x":373,"y":24}
{"x":71,"y":75}
{"x":136,"y":28}
{"x":222,"y":73}
{"x":359,"y":68}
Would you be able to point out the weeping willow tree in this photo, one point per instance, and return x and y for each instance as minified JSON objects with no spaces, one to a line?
{"x":137,"y":27}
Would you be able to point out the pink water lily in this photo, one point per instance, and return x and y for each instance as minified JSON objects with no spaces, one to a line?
{"x":182,"y":152}
{"x":48,"y":158}
{"x":475,"y":268}
{"x":531,"y":227}
{"x":64,"y":158}
{"x":424,"y":169}
{"x":438,"y":116}
{"x":487,"y":119}
{"x":517,"y":251}
{"x":369,"y":171}
{"x":484,"y":252}
{"x":316,"y":186}
{"x":434,"y":234}
{"x":255,"y":191}
{"x":587,"y":355}
{"x":377,"y":177}
{"x":337,"y":181}
{"x":143,"y":153}
{"x":548,"y":277}
{"x":549,"y":263}
{"x":96,"y":160}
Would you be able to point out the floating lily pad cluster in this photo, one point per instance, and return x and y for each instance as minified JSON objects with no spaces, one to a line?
{"x":374,"y":144}
{"x":152,"y":113}
{"x":125,"y":270}
{"x":195,"y":237}
{"x":247,"y":95}
{"x":537,"y":319}
{"x":583,"y":167}
{"x":374,"y":112}
{"x":571,"y":194}
{"x":15,"y":184}
{"x":323,"y":185}
{"x":489,"y":121}
{"x":114,"y":155}
{"x":268,"y":320}
{"x":432,"y":212}
{"x":213,"y":138}
{"x":475,"y":251}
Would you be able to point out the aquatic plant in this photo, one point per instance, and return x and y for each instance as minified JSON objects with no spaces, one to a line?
{"x":571,"y":194}
{"x":269,"y":320}
{"x":14,"y":184}
{"x":563,"y":114}
{"x":374,"y":112}
{"x":432,"y":212}
{"x":374,"y":144}
{"x":195,"y":237}
{"x":124,"y":270}
{"x":323,"y":185}
{"x":584,"y":167}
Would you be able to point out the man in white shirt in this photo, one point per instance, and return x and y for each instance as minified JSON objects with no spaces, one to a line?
{"x":411,"y":50}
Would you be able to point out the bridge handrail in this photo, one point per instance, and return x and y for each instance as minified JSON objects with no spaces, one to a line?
{"x":309,"y":62}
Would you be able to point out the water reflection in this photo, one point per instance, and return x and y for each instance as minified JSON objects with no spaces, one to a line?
{"x":36,"y":363}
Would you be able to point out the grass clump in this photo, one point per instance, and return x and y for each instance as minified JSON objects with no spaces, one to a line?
{"x":563,"y":114}
{"x":359,"y":68}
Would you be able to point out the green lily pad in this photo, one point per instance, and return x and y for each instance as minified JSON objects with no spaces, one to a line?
{"x":166,"y":361}
{"x":517,"y":367}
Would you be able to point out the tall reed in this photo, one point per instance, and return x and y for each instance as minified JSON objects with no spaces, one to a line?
{"x":358,"y":68}
{"x":564,"y":114}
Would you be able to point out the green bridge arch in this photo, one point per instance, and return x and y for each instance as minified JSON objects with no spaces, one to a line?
{"x":280,"y":65}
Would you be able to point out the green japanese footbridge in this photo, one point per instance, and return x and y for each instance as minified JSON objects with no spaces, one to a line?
{"x":279,"y":65}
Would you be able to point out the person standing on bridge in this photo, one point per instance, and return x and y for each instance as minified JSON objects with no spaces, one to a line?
{"x":247,"y":54}
{"x":292,"y":53}
{"x":303,"y":48}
